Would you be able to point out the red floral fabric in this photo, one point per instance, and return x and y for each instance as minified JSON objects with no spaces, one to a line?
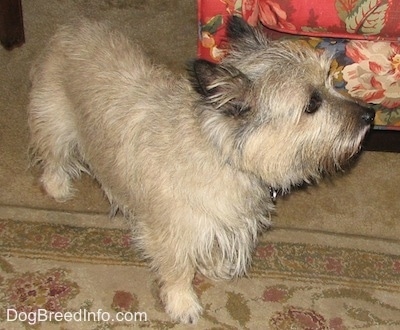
{"x":354,"y":19}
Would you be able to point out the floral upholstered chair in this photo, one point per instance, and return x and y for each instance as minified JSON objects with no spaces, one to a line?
{"x":362,"y":35}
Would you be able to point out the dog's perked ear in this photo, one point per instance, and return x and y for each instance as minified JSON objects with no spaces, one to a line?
{"x":243,"y":36}
{"x":223,"y":86}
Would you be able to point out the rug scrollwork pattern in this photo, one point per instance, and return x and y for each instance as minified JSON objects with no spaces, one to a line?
{"x":81,"y":271}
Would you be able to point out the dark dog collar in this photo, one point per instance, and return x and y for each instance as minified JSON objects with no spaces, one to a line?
{"x":273,"y":194}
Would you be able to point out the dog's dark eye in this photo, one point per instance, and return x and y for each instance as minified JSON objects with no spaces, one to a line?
{"x":314,"y":103}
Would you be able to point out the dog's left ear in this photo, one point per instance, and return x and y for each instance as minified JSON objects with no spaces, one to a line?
{"x":223,"y":86}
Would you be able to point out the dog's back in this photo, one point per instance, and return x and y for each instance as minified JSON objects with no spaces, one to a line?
{"x":93,"y":48}
{"x":101,"y":97}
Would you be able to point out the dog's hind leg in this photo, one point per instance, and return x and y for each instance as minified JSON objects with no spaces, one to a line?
{"x":54,"y":141}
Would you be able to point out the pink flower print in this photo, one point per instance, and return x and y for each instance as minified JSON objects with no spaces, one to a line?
{"x":374,"y":77}
{"x":271,"y":14}
{"x":31,"y":291}
{"x":60,"y":242}
{"x":265,"y":251}
{"x":298,"y":318}
{"x":275,"y":294}
{"x":334,"y":265}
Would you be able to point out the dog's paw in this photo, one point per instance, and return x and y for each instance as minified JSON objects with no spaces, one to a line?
{"x":58,"y":185}
{"x":183,"y":306}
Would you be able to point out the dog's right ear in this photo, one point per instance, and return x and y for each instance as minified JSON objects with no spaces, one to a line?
{"x":242,"y":36}
{"x":223,"y":86}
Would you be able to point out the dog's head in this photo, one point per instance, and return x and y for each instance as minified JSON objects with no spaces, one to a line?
{"x":271,"y":110}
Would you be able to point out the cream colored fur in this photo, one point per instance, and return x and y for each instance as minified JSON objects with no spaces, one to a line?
{"x":189,"y":162}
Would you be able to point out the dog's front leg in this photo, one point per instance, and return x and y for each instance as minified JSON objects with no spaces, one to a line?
{"x":177,"y":293}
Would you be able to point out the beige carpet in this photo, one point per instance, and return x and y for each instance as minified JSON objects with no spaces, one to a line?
{"x":332,"y":260}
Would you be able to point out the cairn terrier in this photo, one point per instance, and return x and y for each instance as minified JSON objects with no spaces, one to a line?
{"x":194,"y":163}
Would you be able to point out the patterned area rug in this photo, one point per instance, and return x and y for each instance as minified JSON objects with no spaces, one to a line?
{"x":90,"y":278}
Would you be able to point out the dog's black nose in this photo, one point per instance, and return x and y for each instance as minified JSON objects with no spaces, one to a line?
{"x":368,"y":116}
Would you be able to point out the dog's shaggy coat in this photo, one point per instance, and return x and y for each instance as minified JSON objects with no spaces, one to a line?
{"x":191,"y":162}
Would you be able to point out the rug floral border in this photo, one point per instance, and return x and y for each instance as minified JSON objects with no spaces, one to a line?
{"x":363,"y":285}
{"x":105,"y":245}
